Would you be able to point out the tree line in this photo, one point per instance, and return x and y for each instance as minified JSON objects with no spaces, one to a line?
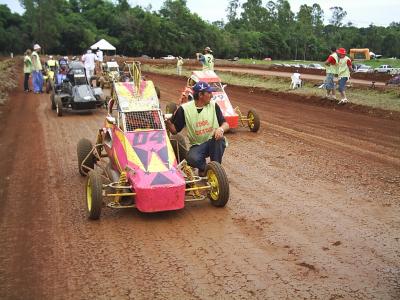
{"x":69,"y":27}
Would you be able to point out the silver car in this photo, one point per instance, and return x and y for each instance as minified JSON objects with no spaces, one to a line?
{"x":364,"y":69}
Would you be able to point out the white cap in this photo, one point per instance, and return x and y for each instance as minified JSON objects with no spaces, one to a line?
{"x":36,"y":47}
{"x":51,"y":56}
{"x":89,"y":51}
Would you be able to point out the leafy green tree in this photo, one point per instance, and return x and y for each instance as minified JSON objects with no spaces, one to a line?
{"x":44,"y":17}
{"x":338,"y":14}
{"x":232,"y":10}
{"x":270,"y":29}
{"x":12,"y":36}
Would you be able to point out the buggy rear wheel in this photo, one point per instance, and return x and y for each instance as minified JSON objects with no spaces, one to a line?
{"x":217,"y":179}
{"x":83,"y":150}
{"x":253,"y":120}
{"x":170,"y":108}
{"x":59,"y":105}
{"x":94,"y":198}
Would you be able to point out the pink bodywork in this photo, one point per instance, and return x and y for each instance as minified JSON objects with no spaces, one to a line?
{"x":145,"y":154}
{"x":152,"y":168}
{"x":220,"y":97}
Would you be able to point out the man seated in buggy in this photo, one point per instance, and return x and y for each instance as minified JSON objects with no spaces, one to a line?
{"x":62,"y":71}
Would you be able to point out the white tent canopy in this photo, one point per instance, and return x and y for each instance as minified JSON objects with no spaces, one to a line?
{"x":103,"y":45}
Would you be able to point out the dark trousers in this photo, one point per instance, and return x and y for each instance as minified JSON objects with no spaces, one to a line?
{"x":26,"y":81}
{"x":198,"y":153}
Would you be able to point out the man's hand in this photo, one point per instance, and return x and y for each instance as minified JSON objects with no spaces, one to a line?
{"x":170,"y":126}
{"x":219,"y":133}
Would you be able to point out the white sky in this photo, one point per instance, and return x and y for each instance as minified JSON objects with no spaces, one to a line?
{"x":360,"y":12}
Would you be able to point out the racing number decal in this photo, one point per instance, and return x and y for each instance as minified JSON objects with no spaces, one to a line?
{"x":141,"y":138}
{"x":158,"y":137}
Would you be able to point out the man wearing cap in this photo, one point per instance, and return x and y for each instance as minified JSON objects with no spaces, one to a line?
{"x":207,"y":59}
{"x":205,"y":126}
{"x":331,"y":66}
{"x":344,"y":69}
{"x":37,"y":76}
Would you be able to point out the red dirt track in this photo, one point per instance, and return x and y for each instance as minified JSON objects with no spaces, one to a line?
{"x":314,"y":210}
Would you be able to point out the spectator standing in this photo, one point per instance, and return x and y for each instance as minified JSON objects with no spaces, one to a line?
{"x":296,"y":80}
{"x":205,"y":126}
{"x":27,"y":69}
{"x":344,"y":69}
{"x":179,"y":65}
{"x":331,"y":66}
{"x":89,"y":60}
{"x":52,"y":64}
{"x":37,"y":76}
{"x":99,"y":55}
{"x":207,"y":59}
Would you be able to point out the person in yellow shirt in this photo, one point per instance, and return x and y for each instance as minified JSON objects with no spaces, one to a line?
{"x":331,"y":66}
{"x":37,"y":76}
{"x":344,"y":69}
{"x":205,"y":126}
{"x":206,"y":59}
{"x":27,"y":69}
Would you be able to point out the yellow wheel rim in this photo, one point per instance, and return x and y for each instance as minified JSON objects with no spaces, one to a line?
{"x":89,"y":194}
{"x":251,"y":120}
{"x":213,"y":181}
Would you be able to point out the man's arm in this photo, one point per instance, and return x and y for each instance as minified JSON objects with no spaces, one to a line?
{"x":223,"y":125}
{"x":330,"y":61}
{"x":177,"y":122}
{"x":350,"y":65}
{"x":170,"y":126}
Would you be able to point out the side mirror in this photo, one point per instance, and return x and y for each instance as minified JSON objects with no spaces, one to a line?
{"x":111,"y":120}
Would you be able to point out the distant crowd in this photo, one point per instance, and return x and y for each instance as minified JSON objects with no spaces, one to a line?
{"x":34,"y":66}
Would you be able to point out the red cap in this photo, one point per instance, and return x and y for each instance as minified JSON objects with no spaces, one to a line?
{"x":341,"y":51}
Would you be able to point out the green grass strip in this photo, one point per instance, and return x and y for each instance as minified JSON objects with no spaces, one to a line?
{"x":387,"y":100}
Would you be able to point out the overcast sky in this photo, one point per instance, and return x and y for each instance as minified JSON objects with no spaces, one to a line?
{"x":360,"y":12}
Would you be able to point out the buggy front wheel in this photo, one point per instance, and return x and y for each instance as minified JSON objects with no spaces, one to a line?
{"x":94,"y":198}
{"x":83,"y":150}
{"x":253,"y":120}
{"x":218,"y":181}
{"x":59,"y":105}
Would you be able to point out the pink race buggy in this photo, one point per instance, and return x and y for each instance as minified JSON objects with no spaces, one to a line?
{"x":133,"y":163}
{"x":233,"y":116}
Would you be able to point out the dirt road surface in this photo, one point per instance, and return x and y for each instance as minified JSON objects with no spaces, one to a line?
{"x":313,"y":213}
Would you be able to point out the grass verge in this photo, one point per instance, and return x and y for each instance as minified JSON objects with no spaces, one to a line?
{"x":386,"y":100}
{"x":7,"y":79}
{"x":374,"y":63}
